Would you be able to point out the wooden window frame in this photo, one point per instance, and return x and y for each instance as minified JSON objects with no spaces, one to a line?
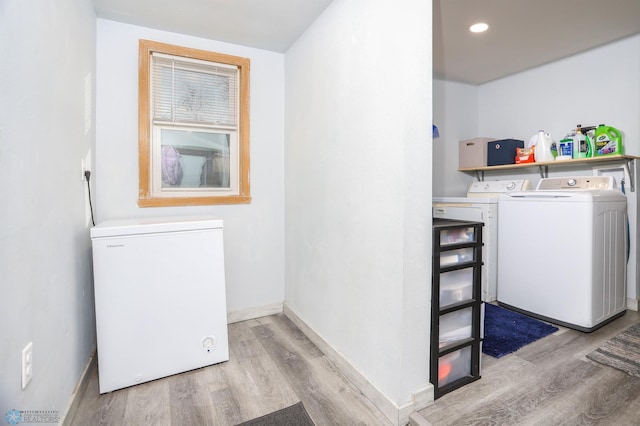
{"x":145,"y":196}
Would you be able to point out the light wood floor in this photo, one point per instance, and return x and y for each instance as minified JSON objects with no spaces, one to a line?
{"x":549,"y":382}
{"x":272,"y":365}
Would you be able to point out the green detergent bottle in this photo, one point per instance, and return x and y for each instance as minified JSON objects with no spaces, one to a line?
{"x":607,"y":141}
{"x":580,"y":146}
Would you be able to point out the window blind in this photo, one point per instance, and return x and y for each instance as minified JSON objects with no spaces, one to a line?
{"x":193,"y":92}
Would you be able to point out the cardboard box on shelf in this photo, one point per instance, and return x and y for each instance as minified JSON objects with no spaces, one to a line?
{"x":473,"y":152}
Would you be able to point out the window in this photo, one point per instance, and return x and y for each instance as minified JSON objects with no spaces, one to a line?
{"x":193,"y":127}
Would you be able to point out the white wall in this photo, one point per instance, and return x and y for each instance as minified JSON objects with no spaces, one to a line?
{"x":358,"y":167}
{"x":597,"y":86}
{"x":455,"y":112}
{"x":254,"y":233}
{"x":47,"y":60}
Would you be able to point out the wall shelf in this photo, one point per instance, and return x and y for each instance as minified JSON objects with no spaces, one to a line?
{"x":543,"y":167}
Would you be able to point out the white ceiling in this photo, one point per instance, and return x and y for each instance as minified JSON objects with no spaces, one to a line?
{"x":523,"y":33}
{"x":264,"y":24}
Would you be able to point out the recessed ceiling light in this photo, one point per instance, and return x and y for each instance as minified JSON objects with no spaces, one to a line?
{"x":480,"y":27}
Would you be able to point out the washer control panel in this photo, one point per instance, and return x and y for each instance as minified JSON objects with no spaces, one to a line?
{"x":576,"y":183}
{"x":494,"y":188}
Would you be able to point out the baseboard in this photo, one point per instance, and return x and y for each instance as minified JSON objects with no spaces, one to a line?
{"x":423,"y":398}
{"x":255,"y":312}
{"x":633,"y":304}
{"x":396,"y":415}
{"x":79,"y":390}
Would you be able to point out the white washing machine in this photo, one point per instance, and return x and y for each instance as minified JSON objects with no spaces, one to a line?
{"x":562,"y":251}
{"x":481,"y":205}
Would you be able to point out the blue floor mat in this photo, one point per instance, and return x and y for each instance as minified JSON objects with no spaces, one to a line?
{"x":506,"y":331}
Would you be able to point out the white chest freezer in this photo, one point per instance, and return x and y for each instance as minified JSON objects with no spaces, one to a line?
{"x":160,"y":298}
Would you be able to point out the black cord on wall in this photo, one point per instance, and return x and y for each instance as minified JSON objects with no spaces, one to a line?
{"x":87,"y":175}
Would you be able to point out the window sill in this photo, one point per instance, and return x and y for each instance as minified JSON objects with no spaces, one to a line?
{"x":193,"y":201}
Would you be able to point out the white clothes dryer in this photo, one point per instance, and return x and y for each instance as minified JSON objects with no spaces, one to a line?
{"x":481,"y":205}
{"x":562,"y":251}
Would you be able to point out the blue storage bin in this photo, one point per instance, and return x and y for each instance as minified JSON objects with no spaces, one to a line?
{"x":502,"y":151}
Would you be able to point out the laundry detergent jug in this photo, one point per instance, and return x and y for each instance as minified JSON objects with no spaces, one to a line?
{"x":608,"y":141}
{"x":582,"y":145}
{"x":543,"y":147}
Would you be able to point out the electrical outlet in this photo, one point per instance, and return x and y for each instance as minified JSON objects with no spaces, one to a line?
{"x":27,"y":364}
{"x":83,"y":167}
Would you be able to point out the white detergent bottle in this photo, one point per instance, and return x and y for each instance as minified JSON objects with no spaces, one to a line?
{"x":543,"y":147}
